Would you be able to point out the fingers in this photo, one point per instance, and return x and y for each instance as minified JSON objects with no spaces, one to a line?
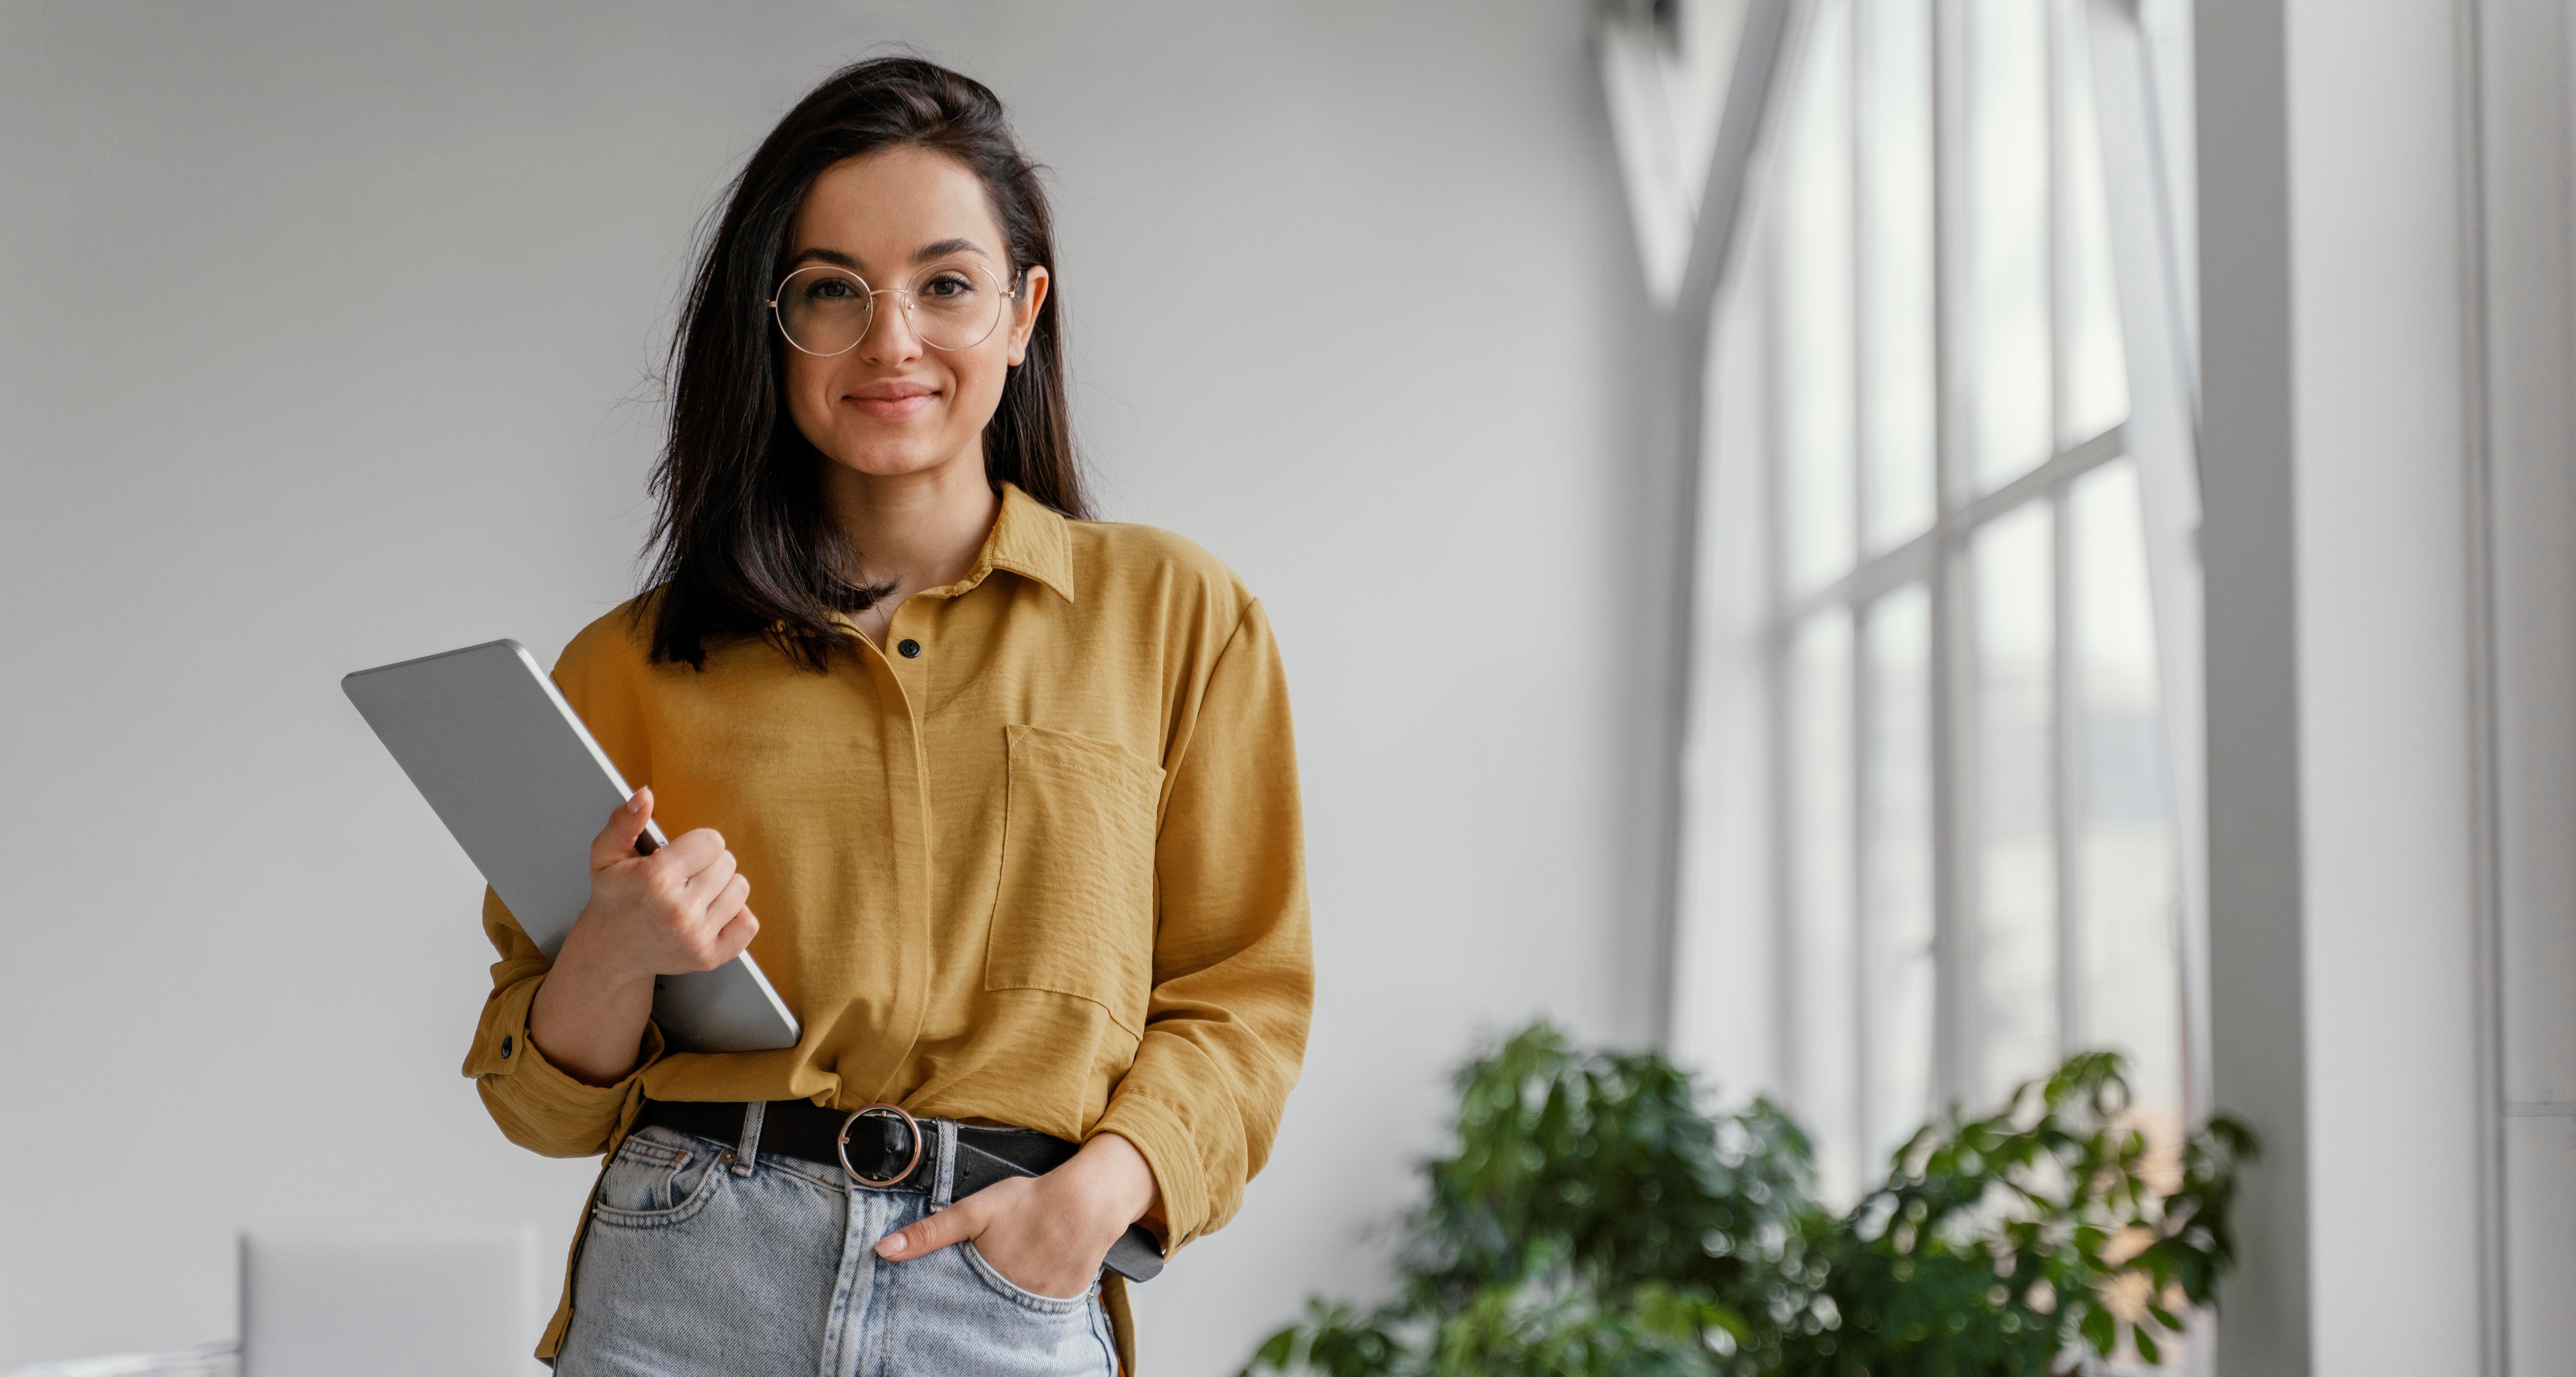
{"x":703,"y":887}
{"x":691,"y":852}
{"x":676,"y":877}
{"x":734,"y":935}
{"x":956,"y":1224}
{"x":728,"y":902}
{"x":616,"y":841}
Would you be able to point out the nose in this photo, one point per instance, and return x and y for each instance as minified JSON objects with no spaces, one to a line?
{"x":890,"y":338}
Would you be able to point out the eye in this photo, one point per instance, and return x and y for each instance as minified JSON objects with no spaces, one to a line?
{"x":831,"y":289}
{"x":948,"y":286}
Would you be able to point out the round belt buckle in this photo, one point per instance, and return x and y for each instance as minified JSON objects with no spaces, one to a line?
{"x":842,"y":1145}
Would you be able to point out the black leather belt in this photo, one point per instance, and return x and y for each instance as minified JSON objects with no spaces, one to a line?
{"x":883,"y":1148}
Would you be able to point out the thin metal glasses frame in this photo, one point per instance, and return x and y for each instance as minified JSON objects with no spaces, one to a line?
{"x":778,"y":314}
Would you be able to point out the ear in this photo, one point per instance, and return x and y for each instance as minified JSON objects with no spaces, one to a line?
{"x":1024,"y":311}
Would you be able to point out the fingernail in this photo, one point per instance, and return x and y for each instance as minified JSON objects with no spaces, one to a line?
{"x":890,"y":1246}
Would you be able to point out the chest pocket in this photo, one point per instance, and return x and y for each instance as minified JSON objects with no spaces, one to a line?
{"x":1075,"y":910}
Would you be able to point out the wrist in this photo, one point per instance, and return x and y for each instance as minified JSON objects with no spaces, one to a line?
{"x":586,"y":961}
{"x":1117,"y":1179}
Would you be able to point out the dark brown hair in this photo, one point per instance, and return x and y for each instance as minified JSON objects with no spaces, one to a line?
{"x":742,"y":543}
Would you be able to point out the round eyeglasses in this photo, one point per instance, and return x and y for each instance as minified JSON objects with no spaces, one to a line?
{"x":827,"y":311}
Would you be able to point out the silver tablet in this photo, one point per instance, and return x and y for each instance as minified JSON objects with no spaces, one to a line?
{"x":506,"y":763}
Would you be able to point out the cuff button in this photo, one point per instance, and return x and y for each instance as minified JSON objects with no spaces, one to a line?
{"x":506,"y":1044}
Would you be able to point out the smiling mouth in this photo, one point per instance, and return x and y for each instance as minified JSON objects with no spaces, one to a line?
{"x":894,"y":407}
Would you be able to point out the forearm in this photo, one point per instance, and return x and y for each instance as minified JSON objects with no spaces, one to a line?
{"x":589,"y":1017}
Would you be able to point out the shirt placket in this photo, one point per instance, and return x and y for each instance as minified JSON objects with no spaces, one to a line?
{"x":898,"y":676}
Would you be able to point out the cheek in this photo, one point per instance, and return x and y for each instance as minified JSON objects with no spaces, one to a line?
{"x":979,"y":384}
{"x":808,"y":385}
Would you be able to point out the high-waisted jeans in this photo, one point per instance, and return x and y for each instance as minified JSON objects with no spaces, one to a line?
{"x":705,"y":1257}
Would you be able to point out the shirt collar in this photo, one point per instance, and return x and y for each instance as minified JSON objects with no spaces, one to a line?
{"x":1029,"y":539}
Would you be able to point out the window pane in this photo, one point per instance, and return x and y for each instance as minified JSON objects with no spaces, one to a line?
{"x":1896,"y":268}
{"x":1896,"y":931}
{"x":2097,"y":379}
{"x":2016,"y":869}
{"x":1820,"y":887}
{"x":2126,"y":895}
{"x":1815,"y":246}
{"x":2007,"y":98}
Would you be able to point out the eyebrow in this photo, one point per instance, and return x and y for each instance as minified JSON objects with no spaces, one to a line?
{"x":834,"y":257}
{"x":940,"y":248}
{"x":945,"y":247}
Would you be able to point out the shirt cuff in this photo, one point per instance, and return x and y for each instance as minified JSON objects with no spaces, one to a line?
{"x":502,"y":1048}
{"x":1171,"y":1153}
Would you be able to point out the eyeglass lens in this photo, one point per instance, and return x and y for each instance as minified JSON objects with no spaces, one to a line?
{"x":828,"y":311}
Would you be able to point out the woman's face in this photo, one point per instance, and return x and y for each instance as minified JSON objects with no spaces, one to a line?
{"x":895,"y":404}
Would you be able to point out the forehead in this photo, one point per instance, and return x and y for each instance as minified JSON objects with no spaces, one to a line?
{"x":880,"y":207}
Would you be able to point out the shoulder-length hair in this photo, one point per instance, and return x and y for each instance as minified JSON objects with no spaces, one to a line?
{"x":742,"y":543}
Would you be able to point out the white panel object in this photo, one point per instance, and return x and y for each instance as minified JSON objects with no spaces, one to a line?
{"x":205,"y":1360}
{"x":444,"y":1303}
{"x":1666,"y":66}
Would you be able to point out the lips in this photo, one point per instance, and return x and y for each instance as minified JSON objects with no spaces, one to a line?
{"x":893,"y":401}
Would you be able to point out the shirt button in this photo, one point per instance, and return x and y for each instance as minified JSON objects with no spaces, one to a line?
{"x":505,"y":1047}
{"x":911,"y":649}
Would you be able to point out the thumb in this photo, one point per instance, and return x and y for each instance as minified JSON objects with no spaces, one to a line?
{"x":616,"y":841}
{"x":956,"y":1224}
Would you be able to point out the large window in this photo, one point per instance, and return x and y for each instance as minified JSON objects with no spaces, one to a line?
{"x":1930,"y":836}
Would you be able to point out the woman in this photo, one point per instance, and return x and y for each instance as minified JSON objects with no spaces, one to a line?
{"x":1012,"y":793}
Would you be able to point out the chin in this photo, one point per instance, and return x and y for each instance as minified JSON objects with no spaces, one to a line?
{"x":882,"y":460}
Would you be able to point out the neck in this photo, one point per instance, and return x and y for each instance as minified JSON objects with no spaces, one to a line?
{"x":914,"y":530}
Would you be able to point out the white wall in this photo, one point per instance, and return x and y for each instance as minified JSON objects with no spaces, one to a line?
{"x":2340,"y":472}
{"x":2530,"y":268}
{"x":325,"y":339}
{"x":2380,"y":476}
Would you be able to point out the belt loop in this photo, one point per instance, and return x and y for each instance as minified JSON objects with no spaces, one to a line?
{"x":944,"y":1182}
{"x":748,"y":1156}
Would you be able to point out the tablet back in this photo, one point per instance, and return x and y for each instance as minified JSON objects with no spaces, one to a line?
{"x":508,"y":766}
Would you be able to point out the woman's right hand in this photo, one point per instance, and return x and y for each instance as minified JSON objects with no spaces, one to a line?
{"x":684,"y":908}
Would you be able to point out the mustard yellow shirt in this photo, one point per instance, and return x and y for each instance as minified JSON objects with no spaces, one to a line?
{"x":1048,"y":871}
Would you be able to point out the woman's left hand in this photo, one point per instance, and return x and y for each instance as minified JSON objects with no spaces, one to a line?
{"x":1048,"y":1233}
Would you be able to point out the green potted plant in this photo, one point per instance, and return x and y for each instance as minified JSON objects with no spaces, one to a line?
{"x":1593,"y":1219}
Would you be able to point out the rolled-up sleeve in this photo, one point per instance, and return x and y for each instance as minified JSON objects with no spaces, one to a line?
{"x":1234,"y":969}
{"x":537,"y":1105}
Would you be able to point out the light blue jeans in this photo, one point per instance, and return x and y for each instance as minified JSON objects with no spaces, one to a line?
{"x":704,"y":1257}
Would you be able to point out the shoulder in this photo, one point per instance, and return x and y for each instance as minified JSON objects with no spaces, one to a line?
{"x":616,"y":649}
{"x":1134,"y":565}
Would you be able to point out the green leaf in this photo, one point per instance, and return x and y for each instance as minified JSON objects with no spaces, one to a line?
{"x":2100,"y":1330}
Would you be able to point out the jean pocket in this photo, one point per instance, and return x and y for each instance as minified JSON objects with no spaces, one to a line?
{"x":657,"y":1178}
{"x":1014,"y":1292}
